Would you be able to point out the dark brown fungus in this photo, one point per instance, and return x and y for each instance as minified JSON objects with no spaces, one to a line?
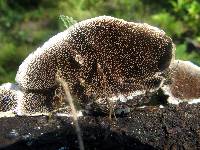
{"x":108,"y":56}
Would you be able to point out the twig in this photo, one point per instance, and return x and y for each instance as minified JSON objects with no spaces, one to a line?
{"x":74,"y":112}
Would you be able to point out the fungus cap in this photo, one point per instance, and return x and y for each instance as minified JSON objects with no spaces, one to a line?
{"x":123,"y":53}
{"x":8,"y":97}
{"x":185,"y":80}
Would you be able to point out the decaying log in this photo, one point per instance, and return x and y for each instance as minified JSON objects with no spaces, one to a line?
{"x":171,"y":127}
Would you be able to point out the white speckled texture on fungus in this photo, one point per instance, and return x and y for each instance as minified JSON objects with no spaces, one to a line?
{"x":13,"y":99}
{"x":102,"y":52}
{"x":8,"y":97}
{"x":185,"y":82}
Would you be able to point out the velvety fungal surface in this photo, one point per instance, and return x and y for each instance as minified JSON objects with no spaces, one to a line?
{"x":185,"y":81}
{"x":8,"y":97}
{"x":106,"y":56}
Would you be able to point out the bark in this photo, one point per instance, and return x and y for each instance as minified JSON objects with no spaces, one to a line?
{"x":171,"y":127}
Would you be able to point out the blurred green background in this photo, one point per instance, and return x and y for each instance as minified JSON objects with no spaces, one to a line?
{"x":26,"y":24}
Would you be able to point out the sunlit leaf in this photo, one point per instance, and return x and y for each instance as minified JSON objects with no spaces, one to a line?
{"x":68,"y":21}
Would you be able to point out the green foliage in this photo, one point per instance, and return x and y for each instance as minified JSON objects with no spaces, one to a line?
{"x":67,"y":21}
{"x":168,"y":23}
{"x":187,"y":11}
{"x":183,"y":55}
{"x":26,"y":24}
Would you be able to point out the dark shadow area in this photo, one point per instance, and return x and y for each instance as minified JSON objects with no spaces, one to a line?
{"x":171,"y":127}
{"x":94,"y":137}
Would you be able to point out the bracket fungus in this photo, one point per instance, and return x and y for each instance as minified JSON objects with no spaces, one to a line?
{"x":104,"y":55}
{"x":8,"y":97}
{"x":184,"y":82}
